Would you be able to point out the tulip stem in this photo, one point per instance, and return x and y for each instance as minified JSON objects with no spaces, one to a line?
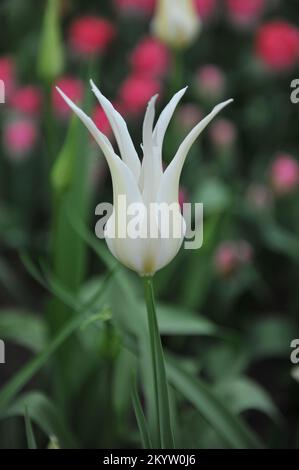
{"x":163,"y":423}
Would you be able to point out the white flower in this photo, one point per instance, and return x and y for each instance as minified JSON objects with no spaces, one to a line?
{"x":176,"y":22}
{"x":143,"y":183}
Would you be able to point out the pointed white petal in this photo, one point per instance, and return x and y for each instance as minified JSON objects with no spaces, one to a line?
{"x":119,"y":127}
{"x":150,"y":171}
{"x":169,"y":187}
{"x":165,"y":117}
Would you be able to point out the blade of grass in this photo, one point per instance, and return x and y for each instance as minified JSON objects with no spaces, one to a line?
{"x":45,"y":414}
{"x":140,"y":418}
{"x":31,"y":442}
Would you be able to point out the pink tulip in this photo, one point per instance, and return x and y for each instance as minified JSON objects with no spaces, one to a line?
{"x":136,"y":91}
{"x":245,"y":13}
{"x":277,"y":45}
{"x":223,"y":133}
{"x":150,"y":57}
{"x":19,"y":138}
{"x":284,"y":174}
{"x":210,"y":81}
{"x":90,"y":35}
{"x":27,"y":100}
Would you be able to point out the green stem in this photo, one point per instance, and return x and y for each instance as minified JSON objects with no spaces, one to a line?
{"x":163,"y":423}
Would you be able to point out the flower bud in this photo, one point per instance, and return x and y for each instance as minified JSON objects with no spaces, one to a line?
{"x":231,"y":255}
{"x":284,"y":174}
{"x":27,"y":100}
{"x":206,"y":8}
{"x":50,"y":58}
{"x":223,"y":134}
{"x":210,"y":82}
{"x":150,"y":58}
{"x":176,"y":23}
{"x":245,"y":13}
{"x":188,"y":115}
{"x":19,"y":138}
{"x":90,"y":35}
{"x":136,"y":91}
{"x":277,"y":45}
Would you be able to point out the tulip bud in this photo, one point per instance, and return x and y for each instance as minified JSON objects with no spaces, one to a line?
{"x":231,"y":255}
{"x":188,"y":116}
{"x":277,"y":45}
{"x":206,"y":8}
{"x":90,"y":35}
{"x":50,"y":57}
{"x":284,"y":174}
{"x":210,"y":82}
{"x":19,"y":138}
{"x":150,"y":58}
{"x":27,"y":100}
{"x":176,"y":23}
{"x":223,"y":134}
{"x":135,"y":93}
{"x":245,"y":13}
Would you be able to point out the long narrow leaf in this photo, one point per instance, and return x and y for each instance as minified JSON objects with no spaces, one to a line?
{"x":29,"y":431}
{"x":140,"y":418}
{"x":229,"y":426}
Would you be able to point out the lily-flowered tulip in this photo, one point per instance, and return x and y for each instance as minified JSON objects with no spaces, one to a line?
{"x":176,"y":22}
{"x":143,"y":183}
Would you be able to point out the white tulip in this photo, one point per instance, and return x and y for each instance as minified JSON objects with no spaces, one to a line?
{"x":176,"y":22}
{"x":143,"y":183}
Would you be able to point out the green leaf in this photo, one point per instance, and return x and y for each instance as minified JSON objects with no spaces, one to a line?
{"x":270,"y":337}
{"x":229,"y":426}
{"x":29,"y":431}
{"x":181,"y":321}
{"x":63,"y":169}
{"x":20,"y":379}
{"x":24,"y":328}
{"x":44,"y":413}
{"x":141,"y":421}
{"x":9,"y":391}
{"x":241,"y":394}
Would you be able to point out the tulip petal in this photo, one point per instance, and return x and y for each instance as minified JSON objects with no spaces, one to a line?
{"x":151,"y":172}
{"x":165,"y":117}
{"x":119,"y":127}
{"x":169,"y":186}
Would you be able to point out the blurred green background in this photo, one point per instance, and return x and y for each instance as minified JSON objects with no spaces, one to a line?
{"x":73,"y":323}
